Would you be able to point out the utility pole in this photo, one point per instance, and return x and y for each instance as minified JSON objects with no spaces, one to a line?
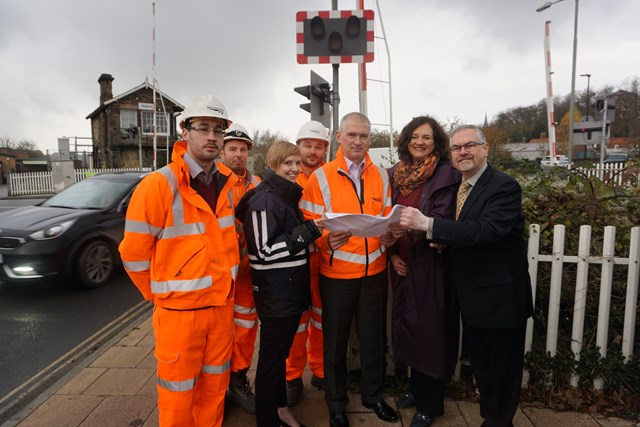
{"x":588,"y":76}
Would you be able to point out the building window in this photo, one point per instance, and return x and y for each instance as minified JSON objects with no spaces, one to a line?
{"x":128,"y":119}
{"x":161,"y":123}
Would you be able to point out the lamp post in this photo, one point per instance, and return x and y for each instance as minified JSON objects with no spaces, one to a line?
{"x":588,"y":76}
{"x":572,"y":96}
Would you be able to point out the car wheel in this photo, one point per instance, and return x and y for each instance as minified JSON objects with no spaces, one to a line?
{"x":95,"y":264}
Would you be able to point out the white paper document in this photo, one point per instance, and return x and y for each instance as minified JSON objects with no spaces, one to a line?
{"x":361,"y":225}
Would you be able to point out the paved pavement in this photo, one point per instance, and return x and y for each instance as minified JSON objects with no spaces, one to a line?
{"x":116,"y":387}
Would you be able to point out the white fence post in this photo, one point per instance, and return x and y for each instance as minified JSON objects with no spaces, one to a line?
{"x":633,"y":279}
{"x":604,"y":304}
{"x":555,"y":288}
{"x":580,"y":300}
{"x":532,"y":252}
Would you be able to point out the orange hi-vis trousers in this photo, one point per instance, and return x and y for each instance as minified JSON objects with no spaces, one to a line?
{"x":245,"y":319}
{"x":310,"y":328}
{"x":193,"y":350}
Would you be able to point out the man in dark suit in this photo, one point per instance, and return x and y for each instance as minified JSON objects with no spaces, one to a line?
{"x":489,"y":272}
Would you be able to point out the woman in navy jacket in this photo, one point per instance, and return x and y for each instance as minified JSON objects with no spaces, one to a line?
{"x":277,"y":242}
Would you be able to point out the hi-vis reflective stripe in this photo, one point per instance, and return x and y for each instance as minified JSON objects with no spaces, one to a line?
{"x":185,"y":385}
{"x":316,"y":324}
{"x":302,"y":327}
{"x":316,"y":310}
{"x":141,"y":228}
{"x":248,"y":324}
{"x":311,"y":207}
{"x":180,"y":285}
{"x":356,"y":258}
{"x":217,"y":369}
{"x":255,"y":181}
{"x":277,"y":264}
{"x":243,"y":310}
{"x":323,"y":183}
{"x":137,"y":266}
{"x":234,"y":271}
{"x":227,"y":221}
{"x":385,"y":186}
{"x":182,"y":230}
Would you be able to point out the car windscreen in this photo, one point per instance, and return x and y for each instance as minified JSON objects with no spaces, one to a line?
{"x":89,"y":194}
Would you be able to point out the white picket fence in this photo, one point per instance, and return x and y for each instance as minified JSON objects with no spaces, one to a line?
{"x":39,"y":183}
{"x":611,"y":171}
{"x":583,"y":259}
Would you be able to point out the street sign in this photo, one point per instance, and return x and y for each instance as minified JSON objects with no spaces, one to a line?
{"x":334,"y":36}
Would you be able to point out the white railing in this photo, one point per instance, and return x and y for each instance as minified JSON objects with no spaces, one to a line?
{"x":611,"y":171}
{"x":38,"y":183}
{"x":583,"y":259}
{"x":30,"y":183}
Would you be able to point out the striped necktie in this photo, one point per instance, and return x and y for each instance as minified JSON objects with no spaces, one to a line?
{"x":463,"y":192}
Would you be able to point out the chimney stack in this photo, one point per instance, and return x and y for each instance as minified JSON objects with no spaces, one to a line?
{"x":106,"y":92}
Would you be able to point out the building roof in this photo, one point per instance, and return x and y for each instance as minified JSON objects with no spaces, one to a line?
{"x":144,"y":85}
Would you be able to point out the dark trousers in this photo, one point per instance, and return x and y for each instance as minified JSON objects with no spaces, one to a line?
{"x":428,"y":393}
{"x":276,"y":337}
{"x":497,"y":359}
{"x":342,"y":299}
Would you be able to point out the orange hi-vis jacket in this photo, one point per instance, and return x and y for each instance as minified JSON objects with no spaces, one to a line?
{"x":330,"y":189}
{"x":240,"y":189}
{"x":179,"y":253}
{"x":303,"y":178}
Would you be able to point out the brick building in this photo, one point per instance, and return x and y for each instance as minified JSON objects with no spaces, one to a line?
{"x":122,"y":126}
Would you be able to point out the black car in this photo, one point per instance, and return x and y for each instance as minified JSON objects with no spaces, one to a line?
{"x":72,"y":235}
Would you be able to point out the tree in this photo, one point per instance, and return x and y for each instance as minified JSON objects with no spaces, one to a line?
{"x":258,"y":165}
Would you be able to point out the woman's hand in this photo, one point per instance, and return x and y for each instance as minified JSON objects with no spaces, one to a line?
{"x":398,"y":265}
{"x":335,"y":239}
{"x":387,"y":239}
{"x":319,"y":223}
{"x":397,"y":230}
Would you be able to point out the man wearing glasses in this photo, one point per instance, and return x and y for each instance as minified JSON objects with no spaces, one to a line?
{"x":489,"y":271}
{"x":180,"y":248}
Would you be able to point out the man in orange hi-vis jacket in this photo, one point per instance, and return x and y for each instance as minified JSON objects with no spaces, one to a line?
{"x":234,"y":155}
{"x":313,"y":142}
{"x":353,"y":279}
{"x":181,"y":250}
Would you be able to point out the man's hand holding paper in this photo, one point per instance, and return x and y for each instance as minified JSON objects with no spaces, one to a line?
{"x":361,"y":225}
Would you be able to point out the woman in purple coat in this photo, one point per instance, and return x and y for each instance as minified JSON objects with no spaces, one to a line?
{"x":425,"y":320}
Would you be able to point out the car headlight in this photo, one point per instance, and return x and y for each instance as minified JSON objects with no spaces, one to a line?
{"x":53,"y":231}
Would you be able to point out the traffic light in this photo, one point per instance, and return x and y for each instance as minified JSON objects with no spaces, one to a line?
{"x":318,"y":94}
{"x":335,"y":36}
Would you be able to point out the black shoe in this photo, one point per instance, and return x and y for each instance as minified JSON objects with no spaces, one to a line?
{"x":294,"y":390}
{"x":338,"y":419}
{"x":240,"y":392}
{"x":317,"y":382}
{"x":421,"y":420}
{"x":405,"y":400}
{"x":382,"y":410}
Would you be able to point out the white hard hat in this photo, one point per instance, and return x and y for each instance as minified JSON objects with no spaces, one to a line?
{"x":313,"y":130}
{"x":205,"y":106}
{"x":238,"y":132}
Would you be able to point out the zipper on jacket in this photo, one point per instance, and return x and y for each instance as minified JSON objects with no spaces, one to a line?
{"x":179,"y":272}
{"x":361,"y":202}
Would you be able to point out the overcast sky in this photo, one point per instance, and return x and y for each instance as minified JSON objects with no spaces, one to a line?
{"x":449,"y":58}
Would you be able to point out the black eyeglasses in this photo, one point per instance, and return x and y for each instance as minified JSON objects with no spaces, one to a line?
{"x":206,"y":130}
{"x":467,"y":146}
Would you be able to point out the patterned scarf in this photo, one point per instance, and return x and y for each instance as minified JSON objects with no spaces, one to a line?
{"x":408,"y":177}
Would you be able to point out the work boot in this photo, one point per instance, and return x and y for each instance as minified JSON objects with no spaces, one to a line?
{"x":240,"y":392}
{"x":317,"y":381}
{"x":294,"y":390}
